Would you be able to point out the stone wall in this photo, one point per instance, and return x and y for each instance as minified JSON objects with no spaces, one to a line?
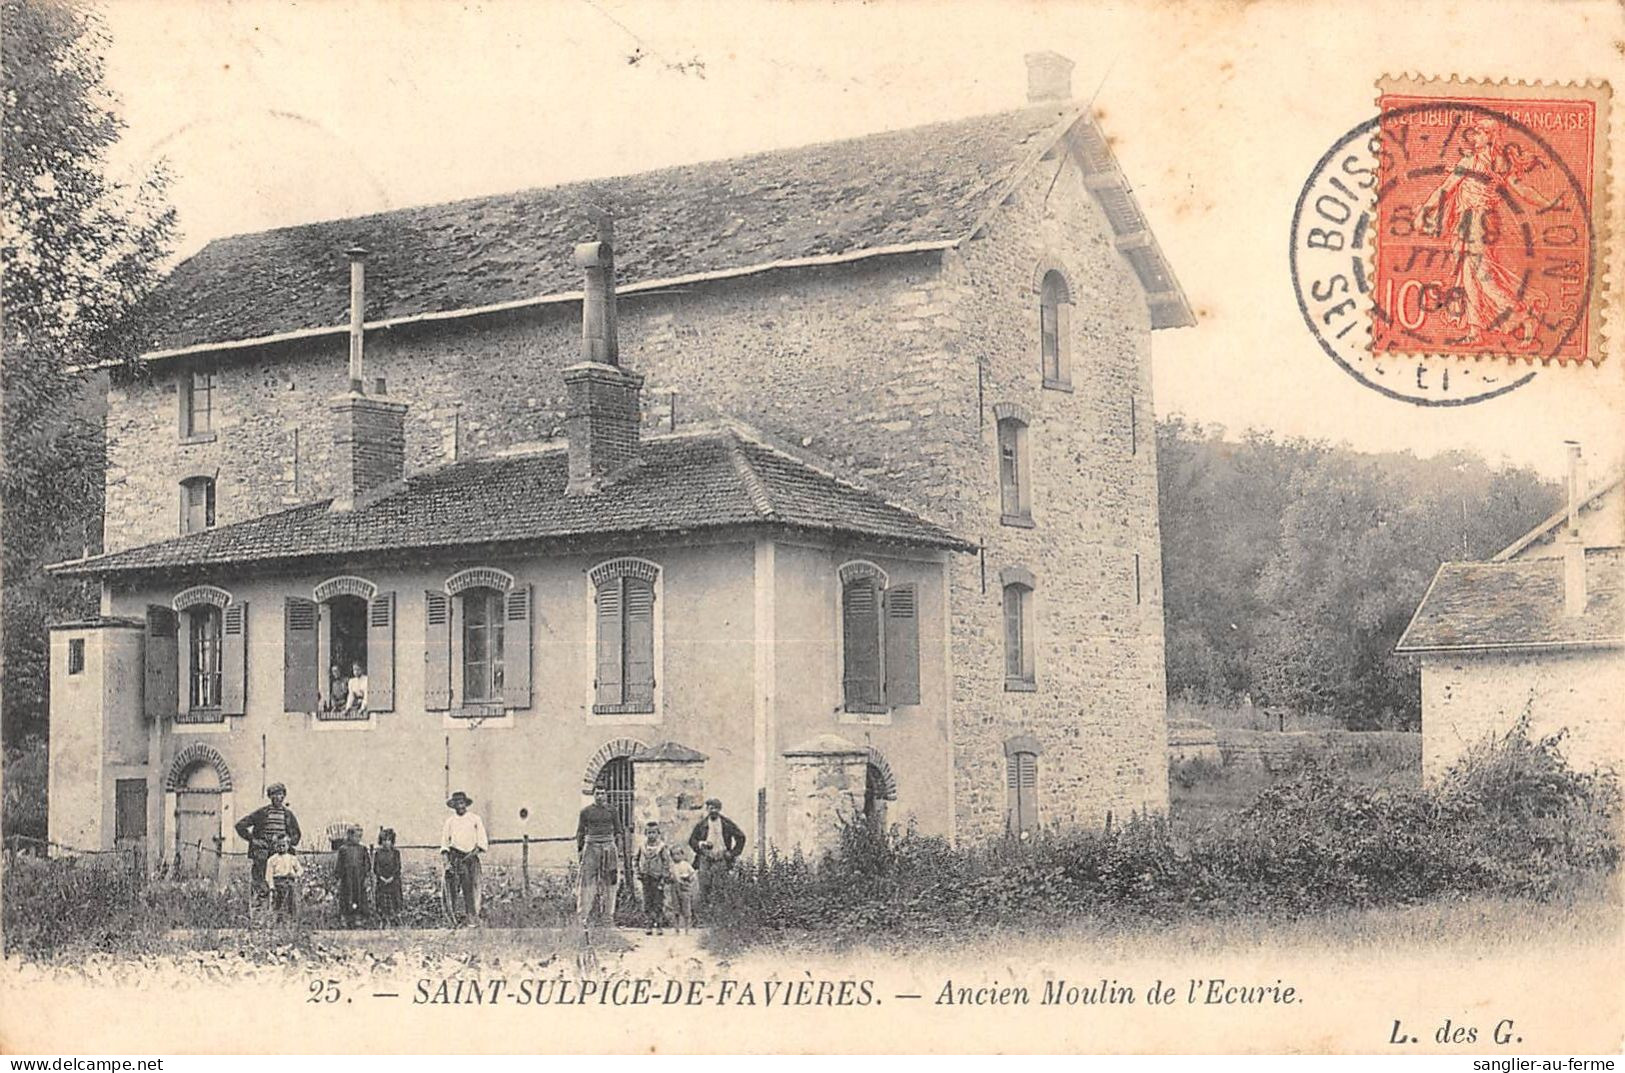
{"x":1468,"y":698}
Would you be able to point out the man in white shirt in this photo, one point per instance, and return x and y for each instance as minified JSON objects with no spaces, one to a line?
{"x":462,"y":840}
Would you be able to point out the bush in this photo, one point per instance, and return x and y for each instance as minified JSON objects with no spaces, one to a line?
{"x":24,"y":781}
{"x":1512,"y":818}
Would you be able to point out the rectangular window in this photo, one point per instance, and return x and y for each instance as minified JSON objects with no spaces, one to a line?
{"x":625,"y":644}
{"x":197,"y":495}
{"x":76,"y":655}
{"x":1050,"y":330}
{"x":197,"y":404}
{"x":483,"y":613}
{"x":860,"y":639}
{"x":205,"y":651}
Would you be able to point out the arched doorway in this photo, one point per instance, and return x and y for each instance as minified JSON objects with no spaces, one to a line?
{"x":615,"y":779}
{"x":198,"y":835}
{"x":879,"y":787}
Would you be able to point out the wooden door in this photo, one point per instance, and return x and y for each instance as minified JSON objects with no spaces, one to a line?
{"x":130,"y":820}
{"x":197,"y":824}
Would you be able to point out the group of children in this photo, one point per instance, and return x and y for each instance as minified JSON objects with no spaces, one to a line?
{"x":355,"y":867}
{"x":663,"y":869}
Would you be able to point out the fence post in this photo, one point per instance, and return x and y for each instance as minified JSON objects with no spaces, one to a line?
{"x":524,"y":864}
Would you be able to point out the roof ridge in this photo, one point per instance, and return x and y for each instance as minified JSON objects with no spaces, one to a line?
{"x":761,"y":499}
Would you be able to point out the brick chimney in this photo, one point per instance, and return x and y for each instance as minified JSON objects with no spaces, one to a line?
{"x":602,"y":411}
{"x":369,"y":431}
{"x":1049,"y":77}
{"x":1574,"y":549}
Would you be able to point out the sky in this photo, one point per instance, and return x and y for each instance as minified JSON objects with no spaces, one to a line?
{"x":275,"y":113}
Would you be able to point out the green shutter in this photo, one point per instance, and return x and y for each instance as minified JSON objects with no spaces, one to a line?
{"x":516,"y":648}
{"x":902,"y":646}
{"x":860,"y":637}
{"x":301,"y":670}
{"x":608,"y":682}
{"x":436,"y":651}
{"x":234,"y":659}
{"x":381,"y":653}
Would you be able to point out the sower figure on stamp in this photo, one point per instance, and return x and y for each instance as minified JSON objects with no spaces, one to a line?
{"x":598,"y":841}
{"x":717,"y":842}
{"x":261,"y":829}
{"x":462,"y":840}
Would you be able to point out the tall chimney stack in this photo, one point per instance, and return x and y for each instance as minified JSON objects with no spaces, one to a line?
{"x":369,"y":431}
{"x":1049,"y":77}
{"x":1574,"y":549}
{"x":603,"y":408}
{"x":358,"y":305}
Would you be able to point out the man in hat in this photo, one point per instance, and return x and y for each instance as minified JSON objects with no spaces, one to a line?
{"x":717,"y":842}
{"x":261,"y":829}
{"x":462,"y":840}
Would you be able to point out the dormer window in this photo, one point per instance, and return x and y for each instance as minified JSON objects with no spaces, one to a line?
{"x":197,"y":504}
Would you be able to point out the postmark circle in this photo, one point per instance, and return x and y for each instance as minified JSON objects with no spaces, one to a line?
{"x":1334,"y":248}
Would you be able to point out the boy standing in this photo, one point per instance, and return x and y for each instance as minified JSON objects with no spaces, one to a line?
{"x":654,"y":869}
{"x":284,"y":870}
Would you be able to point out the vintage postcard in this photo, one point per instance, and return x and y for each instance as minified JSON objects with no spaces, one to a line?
{"x":627,"y":527}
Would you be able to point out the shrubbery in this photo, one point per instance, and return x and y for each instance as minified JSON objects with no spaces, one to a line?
{"x":1511,"y":819}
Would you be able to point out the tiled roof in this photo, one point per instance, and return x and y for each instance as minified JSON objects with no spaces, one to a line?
{"x":1517,"y":605}
{"x":910,"y":189}
{"x":681,"y":483}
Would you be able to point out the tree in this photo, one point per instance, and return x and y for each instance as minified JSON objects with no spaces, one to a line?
{"x":80,"y":251}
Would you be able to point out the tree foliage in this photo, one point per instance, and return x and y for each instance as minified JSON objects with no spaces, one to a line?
{"x":81,"y":248}
{"x":1291,"y":567}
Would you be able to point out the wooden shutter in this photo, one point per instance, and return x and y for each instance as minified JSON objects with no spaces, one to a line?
{"x":1015,"y":662}
{"x":234,"y":659}
{"x":902,"y":646}
{"x":1063,"y":342}
{"x":1021,"y":776}
{"x":301,"y":672}
{"x":163,"y":683}
{"x":516,"y":649}
{"x":436,"y":651}
{"x":639,"y":684}
{"x":860,"y":635}
{"x":610,"y":640}
{"x":381,"y":653}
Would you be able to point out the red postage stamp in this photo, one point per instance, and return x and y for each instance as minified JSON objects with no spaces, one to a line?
{"x":1490,"y":234}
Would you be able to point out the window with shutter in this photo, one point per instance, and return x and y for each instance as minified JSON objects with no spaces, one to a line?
{"x":1021,"y":778}
{"x":162,"y":658}
{"x":517,"y":649}
{"x":436,"y":651}
{"x":380,"y":663}
{"x":234,"y":660}
{"x":301,"y":672}
{"x":197,"y":504}
{"x":902,"y":634}
{"x":484,"y":629}
{"x":609,"y":647}
{"x":860,"y":638}
{"x":204,"y":643}
{"x":625,"y":645}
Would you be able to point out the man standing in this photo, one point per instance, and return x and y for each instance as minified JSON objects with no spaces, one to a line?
{"x":261,"y":829}
{"x":717,"y":842}
{"x":598,"y":843}
{"x":462,"y":840}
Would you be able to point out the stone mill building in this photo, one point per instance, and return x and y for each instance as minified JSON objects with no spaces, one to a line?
{"x":821,"y":481}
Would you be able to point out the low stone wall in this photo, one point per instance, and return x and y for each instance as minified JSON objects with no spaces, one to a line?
{"x":1191,"y":739}
{"x":1353,"y":748}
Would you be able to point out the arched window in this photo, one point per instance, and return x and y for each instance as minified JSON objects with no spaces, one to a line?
{"x":1015,"y":479}
{"x":213,"y":655}
{"x":197,"y":504}
{"x":1019,"y":671}
{"x":483,"y":649}
{"x":624,"y":608}
{"x":1021,"y":785}
{"x":477,"y":644}
{"x":1055,"y":330}
{"x":880,"y":640}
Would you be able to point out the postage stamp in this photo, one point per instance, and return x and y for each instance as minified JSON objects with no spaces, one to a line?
{"x":1489,"y":232}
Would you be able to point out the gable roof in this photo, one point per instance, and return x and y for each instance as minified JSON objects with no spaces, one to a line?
{"x":681,"y":483}
{"x":1517,"y":605}
{"x":1557,"y":519}
{"x":924,"y":188}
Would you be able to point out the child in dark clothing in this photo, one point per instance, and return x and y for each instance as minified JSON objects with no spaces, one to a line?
{"x":654,"y":869}
{"x":352,"y":867}
{"x":386,"y":876}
